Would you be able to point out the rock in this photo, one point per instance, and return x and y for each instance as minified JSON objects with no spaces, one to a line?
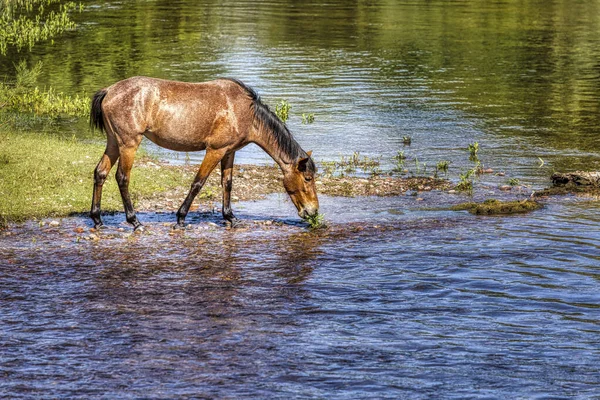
{"x":505,"y":187}
{"x":451,"y":191}
{"x":54,"y":223}
{"x":578,"y":178}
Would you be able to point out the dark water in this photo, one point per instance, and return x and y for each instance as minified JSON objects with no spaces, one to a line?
{"x":397,"y":298}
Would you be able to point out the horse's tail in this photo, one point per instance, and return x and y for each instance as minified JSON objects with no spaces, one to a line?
{"x":96,"y":115}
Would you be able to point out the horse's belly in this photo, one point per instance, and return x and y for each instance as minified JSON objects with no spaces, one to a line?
{"x":175,"y":143}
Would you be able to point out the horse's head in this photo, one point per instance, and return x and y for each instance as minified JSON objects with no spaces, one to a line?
{"x":299,"y":182}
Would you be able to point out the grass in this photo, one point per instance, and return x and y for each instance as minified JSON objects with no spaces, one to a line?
{"x":44,"y":175}
{"x":466,"y":182}
{"x":495,"y":207}
{"x":316,"y":221}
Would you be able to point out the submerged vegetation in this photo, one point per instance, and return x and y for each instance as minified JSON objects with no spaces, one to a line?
{"x":495,"y":207}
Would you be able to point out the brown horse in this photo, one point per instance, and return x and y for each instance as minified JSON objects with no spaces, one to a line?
{"x":220,"y":117}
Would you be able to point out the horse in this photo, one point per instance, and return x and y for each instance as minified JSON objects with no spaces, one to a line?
{"x":219,"y":116}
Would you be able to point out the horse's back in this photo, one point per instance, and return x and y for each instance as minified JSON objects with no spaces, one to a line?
{"x":179,"y":115}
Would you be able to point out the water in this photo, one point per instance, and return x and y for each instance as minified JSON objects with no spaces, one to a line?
{"x":398,"y":297}
{"x":406,"y":303}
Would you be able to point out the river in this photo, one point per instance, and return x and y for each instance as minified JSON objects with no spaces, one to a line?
{"x":398,"y":297}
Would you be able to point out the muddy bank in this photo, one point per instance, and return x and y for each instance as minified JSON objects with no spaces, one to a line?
{"x":253,"y":182}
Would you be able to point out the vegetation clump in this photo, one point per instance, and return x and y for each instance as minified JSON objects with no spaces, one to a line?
{"x":24,"y":96}
{"x":495,"y":207}
{"x":308,"y":118}
{"x":316,"y":221}
{"x":23,"y":23}
{"x":282,"y":110}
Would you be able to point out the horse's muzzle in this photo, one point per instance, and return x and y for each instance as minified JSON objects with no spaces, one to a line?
{"x":308,"y":212}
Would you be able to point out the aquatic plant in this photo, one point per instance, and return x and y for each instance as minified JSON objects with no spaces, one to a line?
{"x":308,"y":118}
{"x":494,"y":207}
{"x":513,"y":182}
{"x":400,"y":159}
{"x":282,"y":110}
{"x":406,"y":140}
{"x":473,"y":150}
{"x":23,"y":23}
{"x":316,"y":221}
{"x":442,"y":166}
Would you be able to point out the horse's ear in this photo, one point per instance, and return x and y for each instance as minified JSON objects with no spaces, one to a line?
{"x":302,"y":163}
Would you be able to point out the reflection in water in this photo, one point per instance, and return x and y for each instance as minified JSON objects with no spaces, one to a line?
{"x":522,"y":79}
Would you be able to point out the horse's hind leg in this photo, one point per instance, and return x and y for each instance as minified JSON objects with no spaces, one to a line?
{"x":211,"y":159}
{"x":109,"y":158}
{"x":226,"y":183}
{"x":127,"y":155}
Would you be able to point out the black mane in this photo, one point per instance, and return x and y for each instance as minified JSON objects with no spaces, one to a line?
{"x":271,"y":122}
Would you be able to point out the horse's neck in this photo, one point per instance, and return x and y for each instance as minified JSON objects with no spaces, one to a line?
{"x":265,"y":140}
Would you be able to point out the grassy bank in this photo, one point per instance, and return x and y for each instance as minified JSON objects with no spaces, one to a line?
{"x":42,"y":175}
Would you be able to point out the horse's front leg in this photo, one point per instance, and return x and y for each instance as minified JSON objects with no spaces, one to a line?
{"x":123,"y":174}
{"x":211,"y":159}
{"x":226,"y":181}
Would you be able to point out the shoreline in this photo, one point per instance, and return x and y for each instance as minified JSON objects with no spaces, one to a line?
{"x":256,"y":182}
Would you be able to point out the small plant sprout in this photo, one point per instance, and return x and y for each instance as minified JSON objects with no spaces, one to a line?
{"x":308,"y":118}
{"x":466,"y":182}
{"x":513,"y":182}
{"x":406,"y":140}
{"x":400,"y":157}
{"x":473,"y":150}
{"x":283,"y":110}
{"x":442,"y":166}
{"x":316,"y":221}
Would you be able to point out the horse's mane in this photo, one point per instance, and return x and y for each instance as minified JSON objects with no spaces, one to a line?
{"x":271,"y":123}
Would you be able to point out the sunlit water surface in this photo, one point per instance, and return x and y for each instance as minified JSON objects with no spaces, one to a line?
{"x":397,"y":297}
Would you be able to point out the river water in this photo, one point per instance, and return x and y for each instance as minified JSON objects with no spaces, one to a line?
{"x":398,"y":297}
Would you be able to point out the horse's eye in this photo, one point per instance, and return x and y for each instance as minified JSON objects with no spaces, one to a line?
{"x":308,"y":178}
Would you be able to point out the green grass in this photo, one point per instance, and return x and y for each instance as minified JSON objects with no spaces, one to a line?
{"x":316,"y":221}
{"x":43,"y":175}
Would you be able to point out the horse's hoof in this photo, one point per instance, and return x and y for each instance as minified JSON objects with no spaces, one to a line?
{"x":234,"y":223}
{"x":178,"y":227}
{"x":139,"y":228}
